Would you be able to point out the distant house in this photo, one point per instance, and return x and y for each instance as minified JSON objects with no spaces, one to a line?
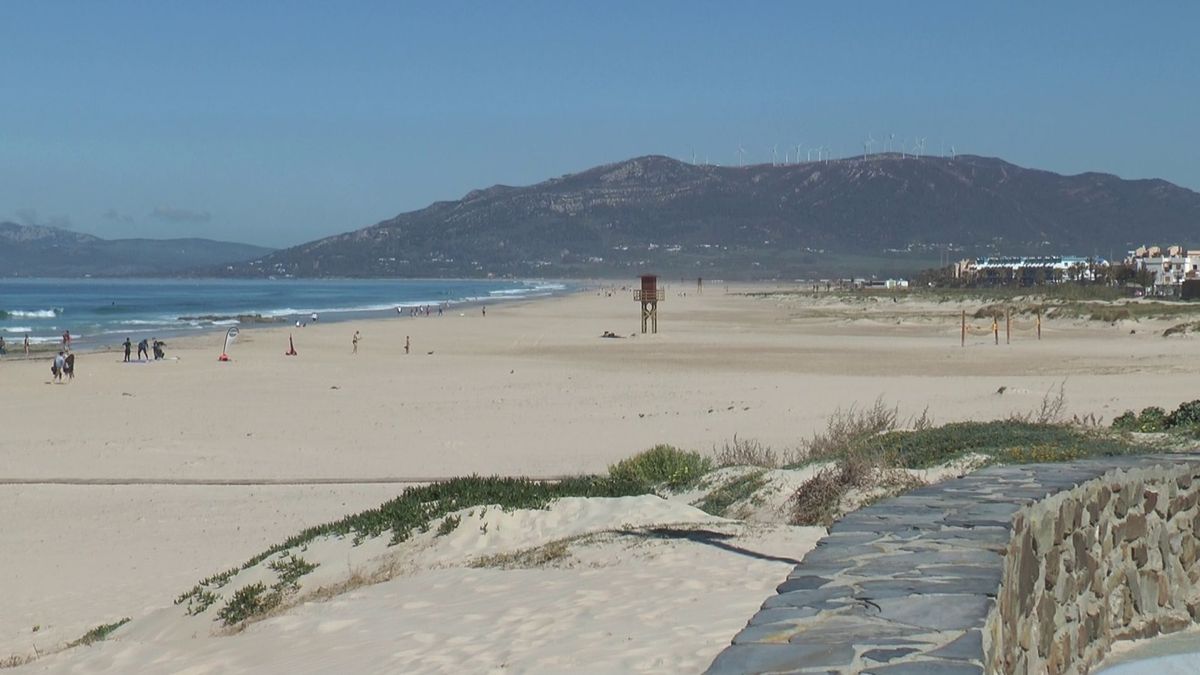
{"x":1169,"y":268}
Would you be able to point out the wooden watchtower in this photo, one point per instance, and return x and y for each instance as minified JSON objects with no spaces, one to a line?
{"x":649,"y":295}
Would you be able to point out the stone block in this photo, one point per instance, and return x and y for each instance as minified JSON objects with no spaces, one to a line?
{"x":937,"y":612}
{"x":740,"y":659}
{"x":1133,"y":528}
{"x":926,"y":667}
{"x":1149,"y":500}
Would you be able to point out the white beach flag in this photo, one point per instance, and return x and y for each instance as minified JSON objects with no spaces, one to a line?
{"x":230,"y":336}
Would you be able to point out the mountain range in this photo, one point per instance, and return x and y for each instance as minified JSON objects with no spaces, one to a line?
{"x":34,"y":250}
{"x":881,"y":214}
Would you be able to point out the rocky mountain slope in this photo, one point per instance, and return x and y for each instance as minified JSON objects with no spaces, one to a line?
{"x":656,"y":213}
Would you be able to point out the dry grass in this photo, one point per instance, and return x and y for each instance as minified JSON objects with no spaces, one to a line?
{"x":17,"y":660}
{"x":746,"y":452}
{"x":846,"y":430}
{"x":823,"y":498}
{"x":1050,"y":411}
{"x":538,"y":556}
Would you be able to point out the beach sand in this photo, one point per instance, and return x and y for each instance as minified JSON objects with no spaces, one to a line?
{"x":529,"y":389}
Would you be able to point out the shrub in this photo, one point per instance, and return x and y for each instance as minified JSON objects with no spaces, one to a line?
{"x":818,"y":500}
{"x":1152,"y":419}
{"x":247,"y":602}
{"x":1186,"y":415}
{"x":662,"y":464}
{"x":448,"y":524}
{"x":1126,"y":421}
{"x":290,"y":569}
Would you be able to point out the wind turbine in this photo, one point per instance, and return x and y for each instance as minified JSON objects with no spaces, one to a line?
{"x":774,"y":155}
{"x":952,"y":153}
{"x":741,"y":155}
{"x":870,"y":142}
{"x":798,"y":152}
{"x":891,"y":140}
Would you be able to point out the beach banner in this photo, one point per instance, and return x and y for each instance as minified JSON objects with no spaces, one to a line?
{"x":230,"y":336}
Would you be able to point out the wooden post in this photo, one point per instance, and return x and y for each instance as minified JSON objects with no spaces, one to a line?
{"x":996,"y":329}
{"x":1039,"y":323}
{"x":1007,"y":325}
{"x":964,"y":328}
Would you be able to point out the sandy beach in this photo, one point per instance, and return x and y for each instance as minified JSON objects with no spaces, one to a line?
{"x":530,"y":389}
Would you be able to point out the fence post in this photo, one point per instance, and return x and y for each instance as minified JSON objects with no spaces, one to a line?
{"x":1039,"y":323}
{"x":1007,"y":325}
{"x":964,"y":328}
{"x":996,"y":329}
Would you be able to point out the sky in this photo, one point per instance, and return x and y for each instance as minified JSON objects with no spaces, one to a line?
{"x":275,"y":123}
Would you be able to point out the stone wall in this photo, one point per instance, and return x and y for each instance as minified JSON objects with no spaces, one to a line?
{"x":1112,"y":559}
{"x":1033,"y":568}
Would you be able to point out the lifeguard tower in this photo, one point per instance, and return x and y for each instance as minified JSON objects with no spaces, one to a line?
{"x":649,"y":295}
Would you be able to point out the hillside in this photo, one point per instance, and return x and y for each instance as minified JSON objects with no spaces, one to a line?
{"x":849,"y":216}
{"x":50,"y":252}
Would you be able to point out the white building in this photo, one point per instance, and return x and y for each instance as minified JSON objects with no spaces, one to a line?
{"x":1032,"y":268}
{"x":1170,"y":268}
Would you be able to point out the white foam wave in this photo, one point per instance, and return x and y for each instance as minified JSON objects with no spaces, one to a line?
{"x":34,"y":313}
{"x":19,"y":329}
{"x":145,"y":322}
{"x":535,"y":289}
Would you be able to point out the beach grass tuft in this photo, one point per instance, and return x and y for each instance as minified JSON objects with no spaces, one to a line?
{"x":98,"y":633}
{"x":662,"y":465}
{"x":718,"y":501}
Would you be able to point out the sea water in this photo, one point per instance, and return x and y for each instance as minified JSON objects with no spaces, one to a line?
{"x":100,"y":312}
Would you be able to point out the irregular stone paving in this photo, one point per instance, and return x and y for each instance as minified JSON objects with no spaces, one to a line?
{"x":905,"y":586}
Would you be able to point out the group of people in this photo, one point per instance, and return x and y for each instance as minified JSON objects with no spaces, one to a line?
{"x":422,"y":310}
{"x":143,"y":349}
{"x":4,"y":345}
{"x":63,"y":366}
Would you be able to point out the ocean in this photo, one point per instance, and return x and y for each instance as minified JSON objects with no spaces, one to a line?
{"x":100,"y":312}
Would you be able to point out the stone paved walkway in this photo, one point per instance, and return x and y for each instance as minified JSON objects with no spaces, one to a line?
{"x":905,"y":586}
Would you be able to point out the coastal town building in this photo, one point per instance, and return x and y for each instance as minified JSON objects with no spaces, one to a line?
{"x":1029,"y":270}
{"x":1169,"y":268}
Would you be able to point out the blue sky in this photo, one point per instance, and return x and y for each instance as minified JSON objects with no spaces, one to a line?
{"x":275,"y":123}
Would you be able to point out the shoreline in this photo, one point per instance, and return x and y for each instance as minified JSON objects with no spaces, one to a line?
{"x":184,"y":319}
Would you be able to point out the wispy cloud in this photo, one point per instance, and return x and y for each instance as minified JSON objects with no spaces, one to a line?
{"x":113,"y":214}
{"x":31,"y":218}
{"x":174,"y":215}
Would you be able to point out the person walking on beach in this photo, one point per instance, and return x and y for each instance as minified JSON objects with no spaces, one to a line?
{"x":67,"y":340}
{"x":69,"y":366}
{"x":354,"y":342}
{"x":406,"y":344}
{"x":128,"y":345}
{"x":60,"y":362}
{"x":485,"y":311}
{"x":143,"y":349}
{"x":27,"y":344}
{"x":3,"y":347}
